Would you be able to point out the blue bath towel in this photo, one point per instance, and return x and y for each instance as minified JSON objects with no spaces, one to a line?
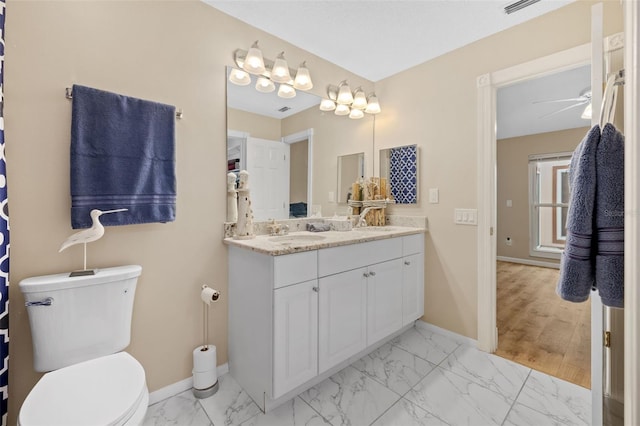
{"x":122,"y":156}
{"x":609,"y":217}
{"x":577,"y":268}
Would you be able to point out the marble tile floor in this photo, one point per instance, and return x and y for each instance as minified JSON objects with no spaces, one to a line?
{"x":419,"y":378}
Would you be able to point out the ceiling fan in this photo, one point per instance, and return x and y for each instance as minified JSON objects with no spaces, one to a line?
{"x":584,"y":98}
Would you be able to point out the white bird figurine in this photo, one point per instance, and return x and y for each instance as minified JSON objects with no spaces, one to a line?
{"x":86,"y":236}
{"x":92,"y":234}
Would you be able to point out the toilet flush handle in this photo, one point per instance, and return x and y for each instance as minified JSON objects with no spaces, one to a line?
{"x":45,"y":302}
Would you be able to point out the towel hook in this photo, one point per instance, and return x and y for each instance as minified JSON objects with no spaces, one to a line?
{"x":68,"y":93}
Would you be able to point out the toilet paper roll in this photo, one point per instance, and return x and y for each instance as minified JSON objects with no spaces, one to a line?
{"x":209,"y":294}
{"x":204,"y":379}
{"x":204,"y":360}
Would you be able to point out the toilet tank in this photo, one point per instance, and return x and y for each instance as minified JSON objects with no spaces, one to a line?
{"x":74,"y":319}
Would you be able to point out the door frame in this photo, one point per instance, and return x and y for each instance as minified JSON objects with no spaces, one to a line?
{"x":299,"y":137}
{"x":487,"y":86}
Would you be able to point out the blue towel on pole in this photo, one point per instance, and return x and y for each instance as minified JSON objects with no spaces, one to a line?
{"x":609,"y":217}
{"x":122,"y":156}
{"x":577,"y":268}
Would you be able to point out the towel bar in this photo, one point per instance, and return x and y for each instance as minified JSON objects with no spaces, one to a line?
{"x":69,"y":95}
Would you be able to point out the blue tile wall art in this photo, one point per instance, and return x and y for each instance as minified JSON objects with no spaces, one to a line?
{"x":403,"y":174}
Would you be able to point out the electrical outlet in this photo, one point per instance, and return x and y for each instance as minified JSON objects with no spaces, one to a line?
{"x":508,"y":241}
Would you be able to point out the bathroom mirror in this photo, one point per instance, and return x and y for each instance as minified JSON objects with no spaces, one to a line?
{"x":303,"y":143}
{"x":399,"y":165}
{"x":350,"y":169}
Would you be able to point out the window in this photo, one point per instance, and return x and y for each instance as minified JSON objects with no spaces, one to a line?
{"x":548,"y":203}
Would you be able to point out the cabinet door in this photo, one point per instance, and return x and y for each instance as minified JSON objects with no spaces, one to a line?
{"x":343,"y":317}
{"x":295,"y":336}
{"x":384,"y":299}
{"x":412,"y":288}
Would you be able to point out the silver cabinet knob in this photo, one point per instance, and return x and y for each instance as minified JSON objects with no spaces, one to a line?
{"x":316,"y":289}
{"x":373,"y":274}
{"x":366,"y":275}
{"x":406,"y":262}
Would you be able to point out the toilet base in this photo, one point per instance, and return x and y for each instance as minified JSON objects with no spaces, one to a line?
{"x":206,"y":393}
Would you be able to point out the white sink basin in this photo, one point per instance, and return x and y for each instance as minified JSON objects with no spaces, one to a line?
{"x":283,"y":239}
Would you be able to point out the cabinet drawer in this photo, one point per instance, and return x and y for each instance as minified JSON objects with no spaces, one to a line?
{"x":295,"y":268}
{"x":412,"y":244}
{"x":345,"y":258}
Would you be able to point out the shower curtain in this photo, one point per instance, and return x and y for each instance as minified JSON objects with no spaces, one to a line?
{"x":4,"y":244}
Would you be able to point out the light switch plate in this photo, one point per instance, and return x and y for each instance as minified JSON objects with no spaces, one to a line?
{"x":332,"y":197}
{"x":509,"y":203}
{"x":465,"y":217}
{"x":434,"y":195}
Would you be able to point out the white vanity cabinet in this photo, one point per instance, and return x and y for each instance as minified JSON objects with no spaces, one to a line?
{"x":412,"y":278}
{"x":294,"y":319}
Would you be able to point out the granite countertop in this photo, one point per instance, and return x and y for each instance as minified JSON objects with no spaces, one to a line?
{"x":296,"y":242}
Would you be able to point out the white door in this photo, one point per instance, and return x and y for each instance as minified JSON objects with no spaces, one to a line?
{"x":384,"y":300}
{"x":268,"y":167}
{"x":412,"y":288}
{"x":342,"y":315}
{"x":295,"y":336}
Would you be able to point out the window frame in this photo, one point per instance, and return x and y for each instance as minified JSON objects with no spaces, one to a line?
{"x":535,"y":247}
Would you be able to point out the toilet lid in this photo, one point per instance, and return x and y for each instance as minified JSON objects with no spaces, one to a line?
{"x":102,"y":391}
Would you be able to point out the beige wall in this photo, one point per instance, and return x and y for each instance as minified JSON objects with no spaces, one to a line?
{"x":173,"y":52}
{"x":434,"y":105}
{"x":176,"y":52}
{"x":513,"y":184}
{"x":298,"y":160}
{"x":258,"y":126}
{"x":333,"y":136}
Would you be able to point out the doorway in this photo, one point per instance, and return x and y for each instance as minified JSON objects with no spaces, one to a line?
{"x":540,"y":121}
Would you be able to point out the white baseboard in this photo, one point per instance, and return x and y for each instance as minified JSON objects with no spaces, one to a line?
{"x":181,"y":386}
{"x":529,"y":262}
{"x":450,"y":334}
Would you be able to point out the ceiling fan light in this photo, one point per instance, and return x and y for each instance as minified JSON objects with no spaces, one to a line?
{"x":587,"y":113}
{"x":239,"y":77}
{"x":359,"y":100}
{"x":356,"y":114}
{"x":344,"y":94}
{"x":285,"y":91}
{"x":373,"y":106}
{"x":327,"y":105}
{"x":342,"y":109}
{"x":303,"y":78}
{"x":265,"y":85}
{"x":254,"y":63}
{"x":280,"y":71}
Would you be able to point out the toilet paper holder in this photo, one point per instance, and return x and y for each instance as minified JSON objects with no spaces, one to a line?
{"x":205,"y":381}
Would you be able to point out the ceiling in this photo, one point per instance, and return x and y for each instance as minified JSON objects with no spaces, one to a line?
{"x":523,"y":108}
{"x":379,"y":38}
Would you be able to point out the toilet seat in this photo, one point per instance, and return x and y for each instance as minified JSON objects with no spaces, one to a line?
{"x":103,"y":391}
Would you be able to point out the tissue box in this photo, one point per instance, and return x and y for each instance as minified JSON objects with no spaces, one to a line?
{"x":339,"y":224}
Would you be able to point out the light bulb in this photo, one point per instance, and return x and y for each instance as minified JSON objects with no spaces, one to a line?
{"x":356,"y":113}
{"x":373,"y":107}
{"x":280,"y":71}
{"x":342,"y":109}
{"x":327,"y":105}
{"x":239,"y":77}
{"x":359,"y":100}
{"x":254,"y":63}
{"x":286,"y":91}
{"x":344,"y":94}
{"x":303,"y":78}
{"x":265,"y":85}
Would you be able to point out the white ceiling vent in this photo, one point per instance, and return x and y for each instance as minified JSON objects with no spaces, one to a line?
{"x":518,"y":5}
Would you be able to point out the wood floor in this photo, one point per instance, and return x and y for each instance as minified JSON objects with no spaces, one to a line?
{"x":538,"y":329}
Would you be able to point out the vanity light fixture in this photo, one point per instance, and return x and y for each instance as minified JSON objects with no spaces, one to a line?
{"x":269,"y":72}
{"x":342,"y":101}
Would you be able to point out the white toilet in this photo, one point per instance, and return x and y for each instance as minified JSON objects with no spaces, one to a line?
{"x":79,"y":325}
